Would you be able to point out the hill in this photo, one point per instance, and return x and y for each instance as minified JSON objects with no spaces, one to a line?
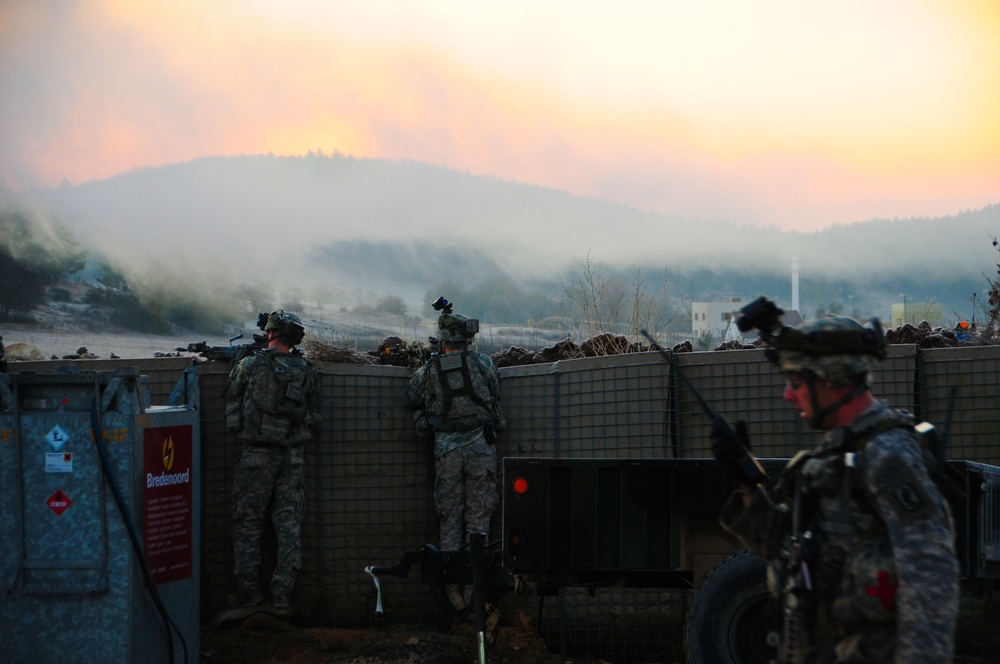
{"x":349,"y":231}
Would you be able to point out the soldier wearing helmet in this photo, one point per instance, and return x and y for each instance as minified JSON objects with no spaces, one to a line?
{"x":274,"y":412}
{"x":456,"y":396}
{"x":874,"y":538}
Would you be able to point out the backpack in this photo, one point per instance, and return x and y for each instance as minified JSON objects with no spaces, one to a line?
{"x":457,"y":396}
{"x":275,"y":405}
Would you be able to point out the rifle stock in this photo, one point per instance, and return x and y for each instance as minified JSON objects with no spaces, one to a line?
{"x":798,"y":593}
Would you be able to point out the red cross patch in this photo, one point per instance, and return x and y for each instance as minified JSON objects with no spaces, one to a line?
{"x":884,"y":591}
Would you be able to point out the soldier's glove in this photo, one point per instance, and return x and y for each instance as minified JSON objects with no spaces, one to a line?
{"x":732,"y":451}
{"x":421,"y":425}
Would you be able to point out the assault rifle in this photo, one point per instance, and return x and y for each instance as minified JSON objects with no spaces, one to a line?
{"x":796,"y":644}
{"x":228,"y":353}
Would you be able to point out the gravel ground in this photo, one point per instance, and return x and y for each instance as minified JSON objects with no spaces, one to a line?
{"x":267,"y":640}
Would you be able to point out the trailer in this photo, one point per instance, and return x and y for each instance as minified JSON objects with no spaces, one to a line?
{"x":653,"y":523}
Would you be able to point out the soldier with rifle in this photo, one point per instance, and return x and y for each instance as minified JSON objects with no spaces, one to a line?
{"x":275,"y":410}
{"x":859,"y":537}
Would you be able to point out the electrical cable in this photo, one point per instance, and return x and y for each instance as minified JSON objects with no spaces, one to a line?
{"x":98,"y":432}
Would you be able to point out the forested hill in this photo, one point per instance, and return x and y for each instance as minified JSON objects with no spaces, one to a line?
{"x":363,"y":228}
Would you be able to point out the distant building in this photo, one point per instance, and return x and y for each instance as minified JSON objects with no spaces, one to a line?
{"x":712,"y":318}
{"x":915,"y":312}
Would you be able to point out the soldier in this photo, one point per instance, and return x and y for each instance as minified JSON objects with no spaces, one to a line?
{"x":275,"y":410}
{"x":861,"y":530}
{"x":456,"y":395}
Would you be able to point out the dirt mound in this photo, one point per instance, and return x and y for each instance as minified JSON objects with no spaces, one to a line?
{"x":924,"y":336}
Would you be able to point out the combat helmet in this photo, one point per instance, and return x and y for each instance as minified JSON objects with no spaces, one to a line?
{"x":288,"y":326}
{"x":838,"y":349}
{"x":456,"y":328}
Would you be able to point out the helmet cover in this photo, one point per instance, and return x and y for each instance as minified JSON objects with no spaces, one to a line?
{"x":838,"y":349}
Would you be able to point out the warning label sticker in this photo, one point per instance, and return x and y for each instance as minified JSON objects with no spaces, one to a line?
{"x":58,"y":502}
{"x":59,"y":462}
{"x":57,"y":437}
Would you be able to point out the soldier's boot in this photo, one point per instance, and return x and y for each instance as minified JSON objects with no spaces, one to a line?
{"x":242,"y":599}
{"x":247,"y":593}
{"x":455,"y":597}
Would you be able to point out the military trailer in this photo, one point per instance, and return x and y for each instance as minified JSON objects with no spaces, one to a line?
{"x":654,"y":523}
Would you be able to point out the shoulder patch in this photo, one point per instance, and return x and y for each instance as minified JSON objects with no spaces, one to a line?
{"x":902,"y":490}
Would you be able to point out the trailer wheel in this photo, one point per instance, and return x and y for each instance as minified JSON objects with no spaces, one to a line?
{"x":730,"y":616}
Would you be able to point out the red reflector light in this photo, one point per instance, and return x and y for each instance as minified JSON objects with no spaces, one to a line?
{"x":520,"y":486}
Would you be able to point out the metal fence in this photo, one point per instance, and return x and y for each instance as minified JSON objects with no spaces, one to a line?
{"x":369,"y":480}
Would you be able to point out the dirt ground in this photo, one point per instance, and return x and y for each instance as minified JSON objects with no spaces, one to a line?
{"x":266,"y":640}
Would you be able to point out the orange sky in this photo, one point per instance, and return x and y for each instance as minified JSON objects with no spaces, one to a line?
{"x":779,"y":113}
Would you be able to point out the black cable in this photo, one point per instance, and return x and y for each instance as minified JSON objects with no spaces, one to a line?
{"x":98,"y":432}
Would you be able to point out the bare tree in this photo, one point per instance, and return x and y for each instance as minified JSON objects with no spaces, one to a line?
{"x":612,"y":315}
{"x":990,"y":311}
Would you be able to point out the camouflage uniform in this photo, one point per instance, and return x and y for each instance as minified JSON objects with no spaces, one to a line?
{"x":465,"y":487}
{"x":276,"y":409}
{"x":885,"y":571}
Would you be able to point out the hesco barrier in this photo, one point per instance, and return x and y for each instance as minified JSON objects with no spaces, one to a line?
{"x":369,"y":480}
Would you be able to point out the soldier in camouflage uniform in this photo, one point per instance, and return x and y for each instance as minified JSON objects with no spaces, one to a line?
{"x":456,"y":395}
{"x":274,"y":413}
{"x":878,"y":540}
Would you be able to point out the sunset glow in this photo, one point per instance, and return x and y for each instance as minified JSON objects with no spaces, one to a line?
{"x":788,"y":114}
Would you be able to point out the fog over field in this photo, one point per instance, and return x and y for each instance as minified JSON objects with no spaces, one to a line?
{"x":360,"y":228}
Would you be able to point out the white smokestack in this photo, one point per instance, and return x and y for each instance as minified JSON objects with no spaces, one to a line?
{"x":795,"y":283}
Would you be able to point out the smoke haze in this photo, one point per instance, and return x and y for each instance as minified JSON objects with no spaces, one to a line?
{"x":402,"y":227}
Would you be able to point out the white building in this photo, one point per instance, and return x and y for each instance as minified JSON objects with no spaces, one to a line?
{"x":712,"y":318}
{"x":915,"y":312}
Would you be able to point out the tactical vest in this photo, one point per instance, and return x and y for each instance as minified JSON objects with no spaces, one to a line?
{"x":457,"y":396}
{"x":842,"y":455}
{"x":275,"y":404}
{"x":854,"y":559}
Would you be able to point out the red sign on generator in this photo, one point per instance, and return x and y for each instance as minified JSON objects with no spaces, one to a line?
{"x":169,"y":477}
{"x":58,"y":502}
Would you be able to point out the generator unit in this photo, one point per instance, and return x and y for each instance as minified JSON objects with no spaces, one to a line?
{"x":100,"y":516}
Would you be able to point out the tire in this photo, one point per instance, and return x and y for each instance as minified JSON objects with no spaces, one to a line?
{"x":731,"y":614}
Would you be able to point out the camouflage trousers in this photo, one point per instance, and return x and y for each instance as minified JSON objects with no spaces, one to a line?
{"x":268,"y":477}
{"x":465,"y":491}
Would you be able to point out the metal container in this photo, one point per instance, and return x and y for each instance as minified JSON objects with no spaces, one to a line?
{"x":100,"y":518}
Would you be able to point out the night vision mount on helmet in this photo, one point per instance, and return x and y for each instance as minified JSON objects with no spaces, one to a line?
{"x":453,"y":327}
{"x":827,"y":336}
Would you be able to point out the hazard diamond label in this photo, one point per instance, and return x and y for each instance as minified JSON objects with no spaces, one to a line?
{"x":58,"y":502}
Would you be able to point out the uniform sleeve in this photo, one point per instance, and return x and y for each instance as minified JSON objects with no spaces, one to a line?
{"x":920,"y":530}
{"x":413,"y":396}
{"x":489,"y":372}
{"x":238,"y":376}
{"x":493,"y":378}
{"x":312,"y":396}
